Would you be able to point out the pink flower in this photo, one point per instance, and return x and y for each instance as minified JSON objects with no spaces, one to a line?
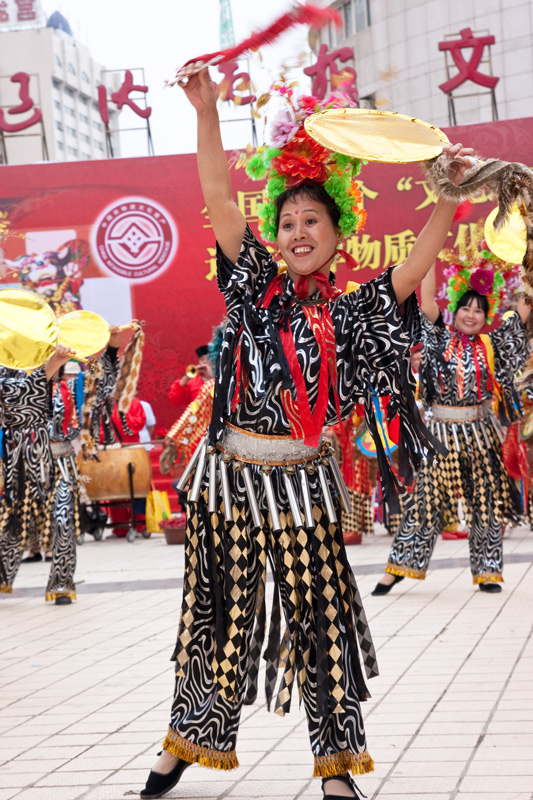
{"x":482,"y":281}
{"x":283,"y":130}
{"x":307,"y":103}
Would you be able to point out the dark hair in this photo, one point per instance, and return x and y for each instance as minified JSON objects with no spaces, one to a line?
{"x":470,"y":295}
{"x":315,"y":191}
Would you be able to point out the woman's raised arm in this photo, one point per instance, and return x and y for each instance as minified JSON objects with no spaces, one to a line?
{"x":227,"y":220}
{"x":431,"y":238}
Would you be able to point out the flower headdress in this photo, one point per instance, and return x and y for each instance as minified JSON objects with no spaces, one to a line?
{"x":294,"y":157}
{"x":475,"y":267}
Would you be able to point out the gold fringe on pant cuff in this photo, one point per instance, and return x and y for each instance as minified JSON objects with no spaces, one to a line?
{"x":345,"y":761}
{"x":487,"y":577}
{"x":6,"y":588}
{"x":405,"y":572}
{"x":196,"y":754}
{"x":53,"y":595}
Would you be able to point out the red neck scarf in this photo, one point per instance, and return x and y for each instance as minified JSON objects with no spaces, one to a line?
{"x":301,"y":287}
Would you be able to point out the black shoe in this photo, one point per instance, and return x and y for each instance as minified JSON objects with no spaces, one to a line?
{"x":357,"y":793}
{"x":159,"y":784}
{"x":492,"y":588}
{"x":33,"y":559}
{"x":63,"y":600}
{"x":383,"y":588}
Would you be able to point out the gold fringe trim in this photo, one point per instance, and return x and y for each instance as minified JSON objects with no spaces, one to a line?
{"x":405,"y":572}
{"x":345,"y":761}
{"x":487,"y":577}
{"x":196,"y":754}
{"x":53,"y":595}
{"x":6,"y":588}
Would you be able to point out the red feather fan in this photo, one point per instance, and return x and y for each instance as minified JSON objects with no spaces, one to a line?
{"x":305,"y":14}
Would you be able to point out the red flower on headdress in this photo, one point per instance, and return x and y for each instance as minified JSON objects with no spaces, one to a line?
{"x":302,"y":158}
{"x":482,"y":281}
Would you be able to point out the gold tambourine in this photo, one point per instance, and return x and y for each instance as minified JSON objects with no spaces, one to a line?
{"x":28,"y":329}
{"x":84,"y":332}
{"x":509,"y":243}
{"x":376,"y":135}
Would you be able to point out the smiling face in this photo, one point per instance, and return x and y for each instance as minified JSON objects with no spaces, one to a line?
{"x":470,"y":319}
{"x":307,"y":238}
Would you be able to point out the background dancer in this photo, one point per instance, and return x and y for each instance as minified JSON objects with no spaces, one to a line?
{"x":27,"y":457}
{"x":275,"y":390}
{"x":461,"y":372}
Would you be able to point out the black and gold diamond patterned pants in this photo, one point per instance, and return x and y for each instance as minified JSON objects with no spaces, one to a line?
{"x":59,"y":520}
{"x":222,"y":628}
{"x":478,"y":476}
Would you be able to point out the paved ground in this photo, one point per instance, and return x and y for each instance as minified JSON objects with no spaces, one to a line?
{"x":85,"y":689}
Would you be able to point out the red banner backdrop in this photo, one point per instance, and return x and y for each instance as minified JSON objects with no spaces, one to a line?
{"x":129,"y":238}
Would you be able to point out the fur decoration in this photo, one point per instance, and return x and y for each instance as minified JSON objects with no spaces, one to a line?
{"x":130,"y":369}
{"x":92,"y":379}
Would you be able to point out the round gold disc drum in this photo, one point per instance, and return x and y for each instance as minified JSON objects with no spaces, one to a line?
{"x":376,"y":135}
{"x":509,"y":243}
{"x":28,"y":329}
{"x":84,"y":332}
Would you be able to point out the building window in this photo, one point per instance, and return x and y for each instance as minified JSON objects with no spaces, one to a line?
{"x":84,"y":118}
{"x":85,"y":77}
{"x":84,"y":138}
{"x":69,"y":91}
{"x":362,"y":14}
{"x":99,"y":146}
{"x":97,"y":125}
{"x":71,"y":69}
{"x":346,"y":13}
{"x":71,"y":131}
{"x":70,"y":111}
{"x":58,"y":61}
{"x":60,"y":145}
{"x":56,"y":84}
{"x":86,"y":156}
{"x":57,"y":105}
{"x":59,"y":125}
{"x":84,"y":100}
{"x":72,"y":151}
{"x":368,"y":102}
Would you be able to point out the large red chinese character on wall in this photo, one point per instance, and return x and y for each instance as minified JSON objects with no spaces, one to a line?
{"x":26,"y":104}
{"x":343,"y":78}
{"x":468,"y":69}
{"x":228,"y":85}
{"x":122,"y":98}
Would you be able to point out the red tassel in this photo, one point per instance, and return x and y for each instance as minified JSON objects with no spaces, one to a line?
{"x":349,"y":260}
{"x":305,"y":14}
{"x":462,"y":211}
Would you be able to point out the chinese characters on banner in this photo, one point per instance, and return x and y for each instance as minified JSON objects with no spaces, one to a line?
{"x":467,"y":67}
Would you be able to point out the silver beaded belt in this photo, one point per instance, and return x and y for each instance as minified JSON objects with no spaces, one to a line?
{"x":239,"y":449}
{"x":256,"y":448}
{"x":61,"y":449}
{"x":460,"y":413}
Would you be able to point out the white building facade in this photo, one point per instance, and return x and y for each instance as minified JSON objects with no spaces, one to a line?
{"x":63,"y":85}
{"x":400,"y":67}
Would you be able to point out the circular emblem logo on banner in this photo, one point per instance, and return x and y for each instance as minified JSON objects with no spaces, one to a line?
{"x":135,"y":238}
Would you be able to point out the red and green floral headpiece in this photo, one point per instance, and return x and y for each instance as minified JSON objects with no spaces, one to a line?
{"x":294,"y":157}
{"x":476,"y":267}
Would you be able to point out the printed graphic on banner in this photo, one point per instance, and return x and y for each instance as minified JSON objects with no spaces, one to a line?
{"x":135,"y":238}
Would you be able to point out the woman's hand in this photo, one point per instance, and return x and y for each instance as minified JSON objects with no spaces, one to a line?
{"x":61,"y":355}
{"x":201,"y":91}
{"x":115,"y":335}
{"x":462,"y":159}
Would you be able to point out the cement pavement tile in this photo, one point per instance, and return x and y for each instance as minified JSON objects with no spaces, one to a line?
{"x":56,"y":779}
{"x":267,"y":789}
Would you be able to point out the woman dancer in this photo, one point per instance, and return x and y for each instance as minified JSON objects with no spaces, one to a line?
{"x":462,"y":370}
{"x":28,"y":464}
{"x":275,"y":390}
